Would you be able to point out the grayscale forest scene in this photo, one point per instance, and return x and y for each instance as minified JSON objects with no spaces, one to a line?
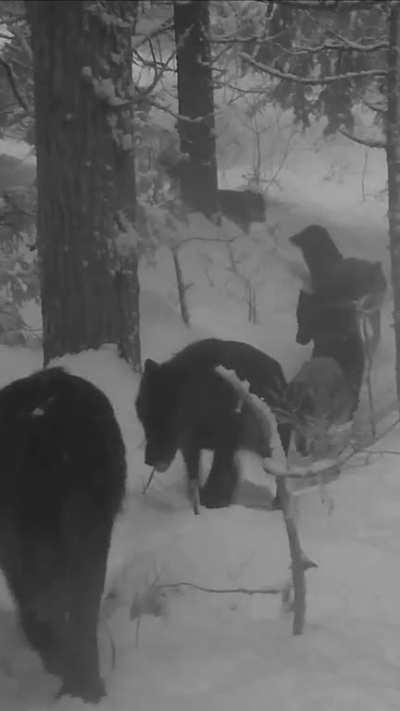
{"x":200,"y":355}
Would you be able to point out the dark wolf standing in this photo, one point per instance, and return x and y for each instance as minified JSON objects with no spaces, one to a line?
{"x":340,"y":280}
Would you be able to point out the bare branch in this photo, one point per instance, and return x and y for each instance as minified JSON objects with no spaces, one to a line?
{"x":180,"y":117}
{"x":284,"y":156}
{"x":159,"y":68}
{"x":370,"y":142}
{"x":11,"y":80}
{"x":267,"y":590}
{"x":235,"y":39}
{"x":328,"y":4}
{"x":289,"y":76}
{"x":142,"y":37}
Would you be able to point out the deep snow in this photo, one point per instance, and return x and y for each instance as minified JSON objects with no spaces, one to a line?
{"x":234,"y":651}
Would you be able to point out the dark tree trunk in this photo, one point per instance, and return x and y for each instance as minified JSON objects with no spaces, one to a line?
{"x":393,"y":162}
{"x":86,"y":180}
{"x":198,"y":172}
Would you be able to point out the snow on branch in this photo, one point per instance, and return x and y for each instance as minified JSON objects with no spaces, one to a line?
{"x":316,"y":81}
{"x":272,"y":465}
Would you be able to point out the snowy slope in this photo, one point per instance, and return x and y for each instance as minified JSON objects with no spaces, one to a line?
{"x":230,"y":651}
{"x":234,"y":651}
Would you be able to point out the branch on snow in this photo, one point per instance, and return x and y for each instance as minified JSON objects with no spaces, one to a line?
{"x":267,"y":590}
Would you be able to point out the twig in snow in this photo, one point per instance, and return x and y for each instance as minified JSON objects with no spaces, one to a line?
{"x":149,"y":480}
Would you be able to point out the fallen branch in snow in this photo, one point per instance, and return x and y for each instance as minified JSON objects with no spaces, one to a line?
{"x":268,"y":422}
{"x":380,"y":451}
{"x":266,"y":590}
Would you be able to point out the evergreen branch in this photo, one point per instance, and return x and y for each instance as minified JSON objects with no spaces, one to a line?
{"x":346,"y":45}
{"x":316,"y":81}
{"x":159,"y":68}
{"x":370,"y":142}
{"x":181,"y":117}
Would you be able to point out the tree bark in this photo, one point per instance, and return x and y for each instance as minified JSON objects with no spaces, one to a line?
{"x":196,"y":127}
{"x":393,"y":164}
{"x":85,"y":174}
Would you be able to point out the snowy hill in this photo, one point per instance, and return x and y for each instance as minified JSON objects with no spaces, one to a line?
{"x":197,"y":650}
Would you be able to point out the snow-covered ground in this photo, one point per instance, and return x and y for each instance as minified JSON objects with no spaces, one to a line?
{"x":195,"y":650}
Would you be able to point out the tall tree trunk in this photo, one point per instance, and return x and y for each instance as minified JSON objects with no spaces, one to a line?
{"x":393,"y":163}
{"x":196,"y":127}
{"x":85,"y":171}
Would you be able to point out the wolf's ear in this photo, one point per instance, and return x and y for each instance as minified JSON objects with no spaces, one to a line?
{"x":150,"y":366}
